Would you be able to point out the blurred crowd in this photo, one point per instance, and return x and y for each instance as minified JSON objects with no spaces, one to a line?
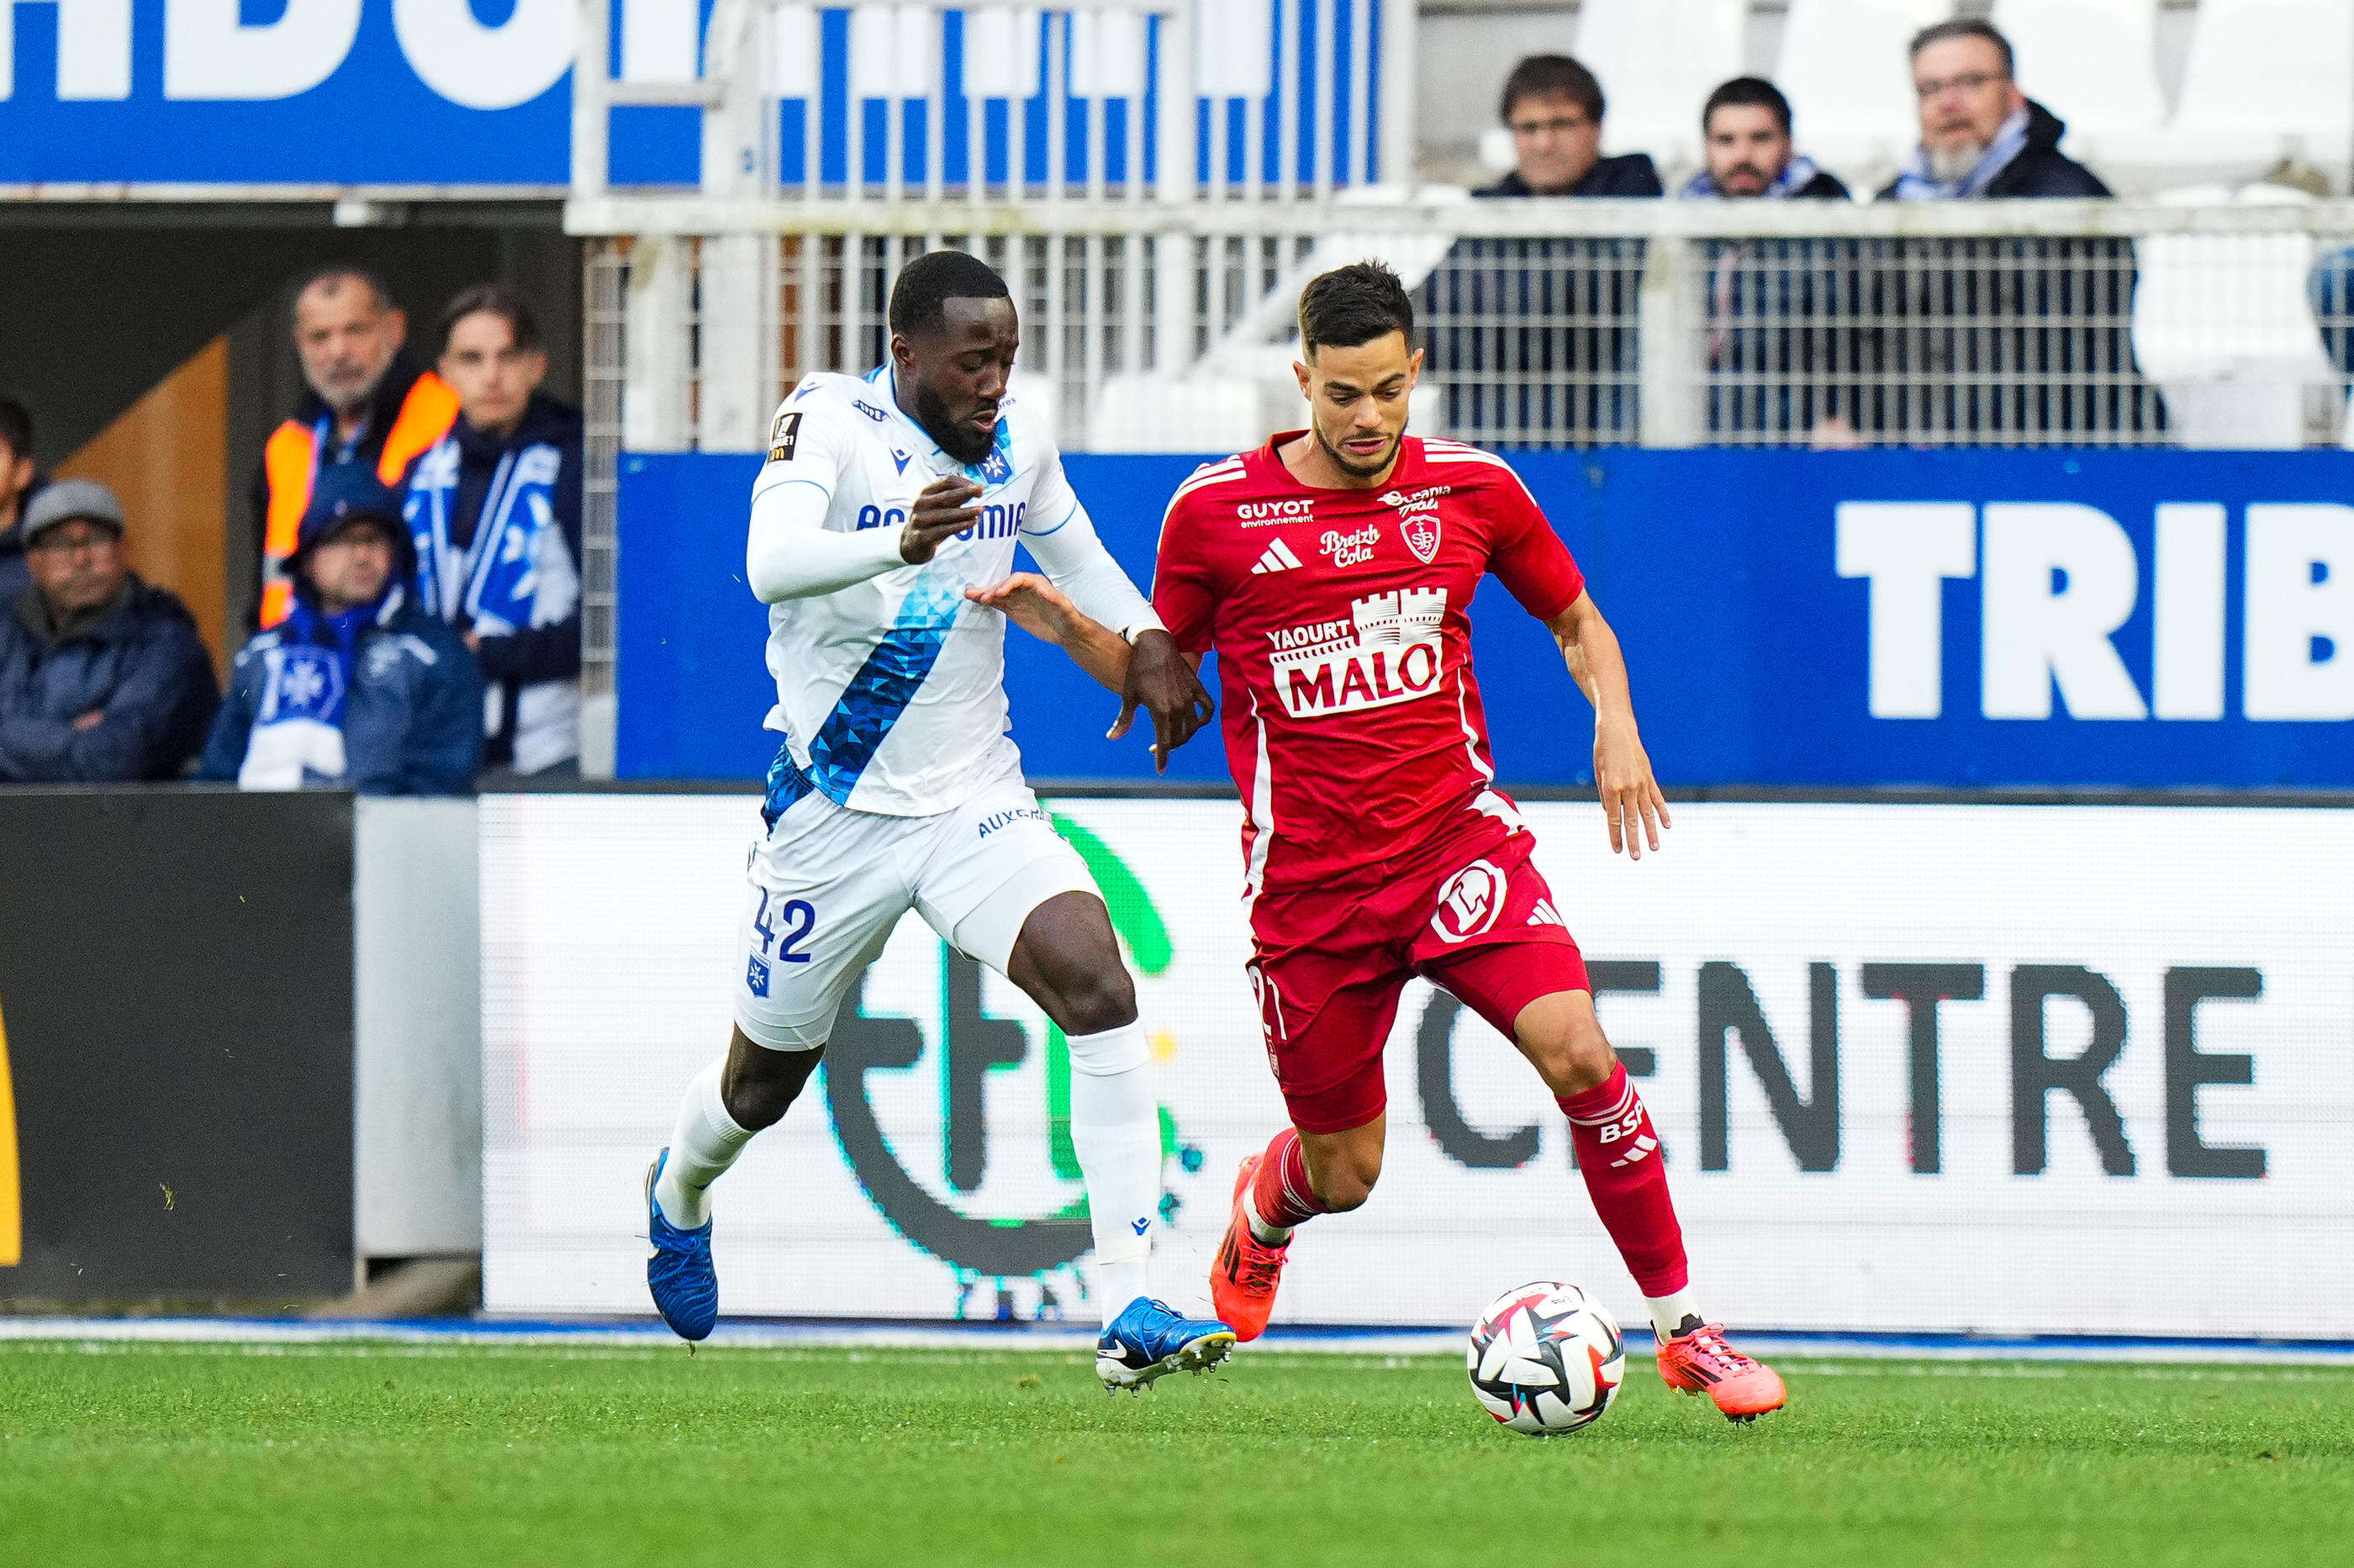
{"x":416,"y":619}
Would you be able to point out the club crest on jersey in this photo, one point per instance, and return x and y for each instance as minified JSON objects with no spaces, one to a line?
{"x":1418,"y":519}
{"x":998,"y":468}
{"x":1468,"y":905}
{"x":1387,"y":651}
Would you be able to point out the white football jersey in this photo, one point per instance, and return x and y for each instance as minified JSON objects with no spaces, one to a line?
{"x":891,"y":691}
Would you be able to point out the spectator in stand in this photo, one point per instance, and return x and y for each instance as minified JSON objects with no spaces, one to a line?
{"x":369,"y":403}
{"x":1553,"y":105}
{"x":357,"y":687}
{"x":19,"y":482}
{"x":493,"y":511}
{"x":1774,"y":373}
{"x":2001,"y":338}
{"x":1746,"y":130}
{"x":1567,"y":378}
{"x":103,"y":679}
{"x":1980,"y":136}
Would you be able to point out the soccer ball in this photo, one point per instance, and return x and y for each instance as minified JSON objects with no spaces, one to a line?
{"x":1545,"y":1358}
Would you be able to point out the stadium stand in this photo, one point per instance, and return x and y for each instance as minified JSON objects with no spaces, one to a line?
{"x":2234,"y":347}
{"x":2099,"y":58}
{"x":1657,"y":64}
{"x":2263,"y":81}
{"x":1843,"y":65}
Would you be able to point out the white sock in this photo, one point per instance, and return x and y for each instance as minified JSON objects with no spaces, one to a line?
{"x":1668,"y":1313}
{"x":1116,"y":1131}
{"x":1267,"y":1235}
{"x":704,"y":1141}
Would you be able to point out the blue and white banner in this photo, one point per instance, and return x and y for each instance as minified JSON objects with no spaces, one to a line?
{"x":286,"y":92}
{"x":476,"y":92}
{"x":1962,"y":619}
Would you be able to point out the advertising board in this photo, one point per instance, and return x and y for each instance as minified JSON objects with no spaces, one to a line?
{"x":1835,"y":619}
{"x":1927,"y":1068}
{"x":175,"y":1019}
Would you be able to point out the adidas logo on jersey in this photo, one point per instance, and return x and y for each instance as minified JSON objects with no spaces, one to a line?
{"x":1277,"y":558}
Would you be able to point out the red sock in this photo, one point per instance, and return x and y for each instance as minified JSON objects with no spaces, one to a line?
{"x":1280,"y":1194}
{"x":1619,"y":1152}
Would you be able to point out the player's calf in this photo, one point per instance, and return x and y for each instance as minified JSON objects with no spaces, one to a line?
{"x":1342,"y":1167}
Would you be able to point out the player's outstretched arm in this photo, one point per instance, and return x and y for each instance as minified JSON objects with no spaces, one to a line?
{"x":1622,"y":769}
{"x":1042,"y":610}
{"x":1152,"y":673}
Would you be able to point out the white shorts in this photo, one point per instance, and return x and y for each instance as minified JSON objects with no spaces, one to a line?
{"x":828,"y":885}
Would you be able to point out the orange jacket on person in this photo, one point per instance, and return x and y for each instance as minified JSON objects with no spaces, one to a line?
{"x":413,"y":408}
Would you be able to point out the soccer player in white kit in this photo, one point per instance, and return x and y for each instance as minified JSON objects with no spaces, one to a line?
{"x":884,"y":517}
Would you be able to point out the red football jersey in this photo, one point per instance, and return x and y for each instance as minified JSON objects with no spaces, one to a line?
{"x":1339,"y":617}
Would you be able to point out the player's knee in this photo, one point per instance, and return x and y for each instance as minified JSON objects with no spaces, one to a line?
{"x":1102,"y":998}
{"x":1570,"y":1051}
{"x":761,"y":1084}
{"x":1571,"y":1061}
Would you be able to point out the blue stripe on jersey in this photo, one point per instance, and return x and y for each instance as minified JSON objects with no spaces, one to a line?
{"x":876,"y":697}
{"x":787,"y":784}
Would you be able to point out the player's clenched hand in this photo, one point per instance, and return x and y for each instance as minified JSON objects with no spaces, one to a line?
{"x":946,"y":508}
{"x":1622,"y":771}
{"x":1161,"y":682}
{"x":1032,"y":603}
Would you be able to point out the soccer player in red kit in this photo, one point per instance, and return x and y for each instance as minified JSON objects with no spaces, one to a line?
{"x":1331,"y":570}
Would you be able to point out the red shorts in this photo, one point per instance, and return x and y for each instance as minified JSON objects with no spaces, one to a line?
{"x":1328,"y":964}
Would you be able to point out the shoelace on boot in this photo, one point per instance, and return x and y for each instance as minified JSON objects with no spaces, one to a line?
{"x":1708,"y":1344}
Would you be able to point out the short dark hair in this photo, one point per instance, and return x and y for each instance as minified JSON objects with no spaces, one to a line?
{"x":15,"y":427}
{"x":1747,"y":91}
{"x":327,"y":271}
{"x":1552,"y":76}
{"x":495,"y":300}
{"x":927,"y":284}
{"x":1965,"y":27}
{"x":1353,"y":304}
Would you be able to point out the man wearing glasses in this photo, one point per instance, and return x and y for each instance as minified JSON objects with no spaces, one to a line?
{"x":1980,"y":136}
{"x":1553,"y":106}
{"x":1998,"y":338}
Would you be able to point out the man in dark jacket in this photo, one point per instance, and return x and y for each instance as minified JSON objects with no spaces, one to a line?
{"x":1533,"y":340}
{"x":357,"y":687}
{"x":102,"y":678}
{"x":19,"y":482}
{"x":1774,"y":373}
{"x":370,"y":402}
{"x":1553,"y":106}
{"x":1996,"y":339}
{"x":494,"y":513}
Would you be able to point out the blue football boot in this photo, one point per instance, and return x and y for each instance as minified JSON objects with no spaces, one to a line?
{"x":678,"y":1272}
{"x":1149,"y":1341}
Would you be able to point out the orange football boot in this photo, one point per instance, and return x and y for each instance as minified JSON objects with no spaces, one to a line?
{"x":1244,"y":1275}
{"x":1699,"y":1362}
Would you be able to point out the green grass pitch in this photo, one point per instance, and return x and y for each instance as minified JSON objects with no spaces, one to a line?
{"x":580,"y":1457}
